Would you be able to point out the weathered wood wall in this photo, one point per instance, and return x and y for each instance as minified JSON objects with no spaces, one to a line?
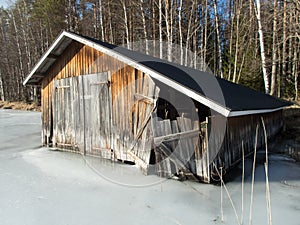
{"x":178,"y":145}
{"x":82,"y":114}
{"x":71,"y":108}
{"x":183,"y":146}
{"x":242,"y":131}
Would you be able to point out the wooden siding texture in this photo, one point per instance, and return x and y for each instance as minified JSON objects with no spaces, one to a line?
{"x":183,"y":146}
{"x":133,"y":98}
{"x":241,"y":131}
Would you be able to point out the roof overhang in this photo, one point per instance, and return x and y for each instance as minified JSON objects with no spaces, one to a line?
{"x":38,"y":73}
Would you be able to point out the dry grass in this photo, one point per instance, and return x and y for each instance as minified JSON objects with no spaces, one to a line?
{"x":20,"y":106}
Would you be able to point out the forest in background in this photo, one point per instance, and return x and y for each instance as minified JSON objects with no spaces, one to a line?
{"x":255,"y":43}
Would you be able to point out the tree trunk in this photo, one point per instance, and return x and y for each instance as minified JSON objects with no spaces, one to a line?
{"x":296,"y":63}
{"x":20,"y":56}
{"x":274,"y":51}
{"x":231,"y":21}
{"x":154,"y":28}
{"x":220,"y":72}
{"x":126,"y":23}
{"x":169,"y":39}
{"x":160,"y":30}
{"x":295,"y":72}
{"x":195,"y":51}
{"x":238,"y":12}
{"x":2,"y":94}
{"x":241,"y":68}
{"x":205,"y":35}
{"x":144,"y":26}
{"x":111,"y":34}
{"x":180,"y":31}
{"x":26,"y":33}
{"x":283,"y":77}
{"x":171,"y":24}
{"x":188,"y":37}
{"x":101,"y":20}
{"x":291,"y":43}
{"x":262,"y":48}
{"x":251,"y":17}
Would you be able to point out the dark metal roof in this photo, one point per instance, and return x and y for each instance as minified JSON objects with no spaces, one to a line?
{"x":225,"y":97}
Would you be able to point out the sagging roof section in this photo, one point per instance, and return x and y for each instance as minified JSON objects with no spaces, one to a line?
{"x":224,"y":97}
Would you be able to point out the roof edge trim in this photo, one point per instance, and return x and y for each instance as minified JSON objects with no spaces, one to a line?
{"x":47,"y":53}
{"x":248,"y":112}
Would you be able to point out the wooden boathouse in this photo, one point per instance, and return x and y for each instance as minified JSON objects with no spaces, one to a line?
{"x":107,"y":101}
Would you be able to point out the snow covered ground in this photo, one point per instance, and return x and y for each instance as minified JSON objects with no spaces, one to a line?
{"x":38,"y":186}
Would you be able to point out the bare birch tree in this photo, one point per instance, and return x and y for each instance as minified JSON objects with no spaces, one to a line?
{"x":262,"y":47}
{"x":180,"y":31}
{"x":168,"y":28}
{"x":160,"y":29}
{"x":101,"y":20}
{"x":126,"y":24}
{"x":283,"y":75}
{"x":218,"y":40}
{"x":274,"y":50}
{"x":238,"y":13}
{"x":144,"y":26}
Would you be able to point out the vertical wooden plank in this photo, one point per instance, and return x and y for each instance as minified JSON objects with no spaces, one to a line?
{"x":197,"y":149}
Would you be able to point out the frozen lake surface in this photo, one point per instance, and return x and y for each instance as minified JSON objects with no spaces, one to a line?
{"x":43,"y":187}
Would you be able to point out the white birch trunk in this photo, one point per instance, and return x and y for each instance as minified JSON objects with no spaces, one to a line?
{"x":231,"y":17}
{"x":296,"y":63}
{"x":262,"y":48}
{"x":238,"y":12}
{"x":1,"y":88}
{"x":126,"y":24}
{"x":241,"y":68}
{"x":195,"y":51}
{"x":101,"y":20}
{"x":153,"y":28}
{"x":205,"y":35}
{"x":274,"y":51}
{"x":283,"y":78}
{"x":180,"y":32}
{"x":295,"y":73}
{"x":144,"y":26}
{"x":169,"y":50}
{"x":171,"y":27}
{"x":291,"y":43}
{"x":218,"y":39}
{"x":160,"y":29}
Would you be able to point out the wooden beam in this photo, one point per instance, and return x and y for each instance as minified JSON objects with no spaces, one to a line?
{"x":173,"y":137}
{"x":144,"y":98}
